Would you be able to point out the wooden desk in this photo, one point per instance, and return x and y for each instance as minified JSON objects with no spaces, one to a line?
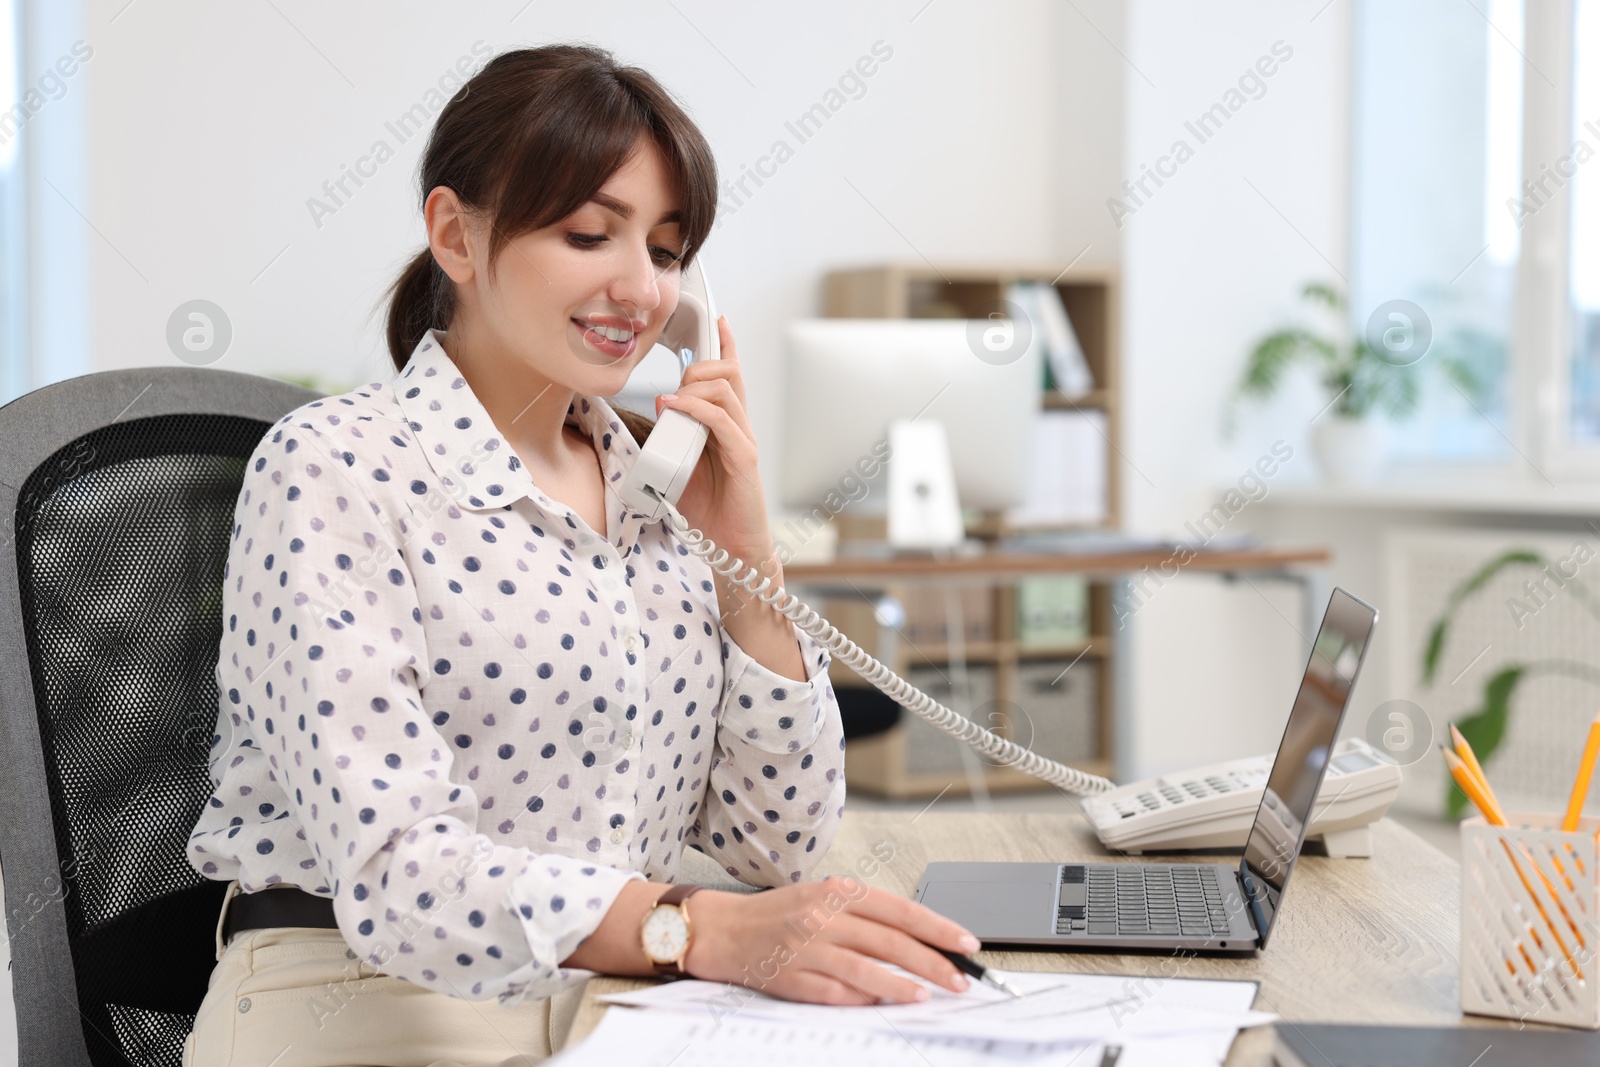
{"x":1359,"y":941}
{"x":994,"y":567}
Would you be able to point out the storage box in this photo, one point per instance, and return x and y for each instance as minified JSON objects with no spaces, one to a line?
{"x":1058,"y":712}
{"x":1530,"y":945}
{"x":929,"y":750}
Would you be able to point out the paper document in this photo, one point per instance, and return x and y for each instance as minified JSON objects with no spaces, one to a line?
{"x":675,"y":1039}
{"x":1053,"y":1008}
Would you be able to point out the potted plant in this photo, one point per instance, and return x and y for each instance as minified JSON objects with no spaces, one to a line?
{"x":1485,"y":726}
{"x":1362,"y":376}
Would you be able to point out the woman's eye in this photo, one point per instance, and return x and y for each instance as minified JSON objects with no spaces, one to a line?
{"x":664,"y":257}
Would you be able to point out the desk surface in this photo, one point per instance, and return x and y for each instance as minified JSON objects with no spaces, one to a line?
{"x":995,"y":566}
{"x":1359,"y":941}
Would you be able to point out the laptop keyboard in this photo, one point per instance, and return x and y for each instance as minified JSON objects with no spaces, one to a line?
{"x":1130,"y":899}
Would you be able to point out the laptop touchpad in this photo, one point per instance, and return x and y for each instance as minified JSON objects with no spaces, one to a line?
{"x":995,"y":910}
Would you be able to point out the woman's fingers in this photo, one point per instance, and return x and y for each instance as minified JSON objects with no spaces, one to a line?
{"x":920,"y":922}
{"x":864,"y":974}
{"x":721,"y":393}
{"x":899,"y":948}
{"x":814,"y":987}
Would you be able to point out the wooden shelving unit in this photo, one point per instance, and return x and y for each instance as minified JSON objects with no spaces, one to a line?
{"x":886,"y":763}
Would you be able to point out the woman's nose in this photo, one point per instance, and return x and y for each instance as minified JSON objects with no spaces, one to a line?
{"x":638,"y":286}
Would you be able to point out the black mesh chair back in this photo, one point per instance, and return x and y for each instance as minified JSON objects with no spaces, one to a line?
{"x":117,"y":493}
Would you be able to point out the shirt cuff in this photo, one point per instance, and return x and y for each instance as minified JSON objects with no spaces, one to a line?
{"x":560,"y":900}
{"x":772,"y":711}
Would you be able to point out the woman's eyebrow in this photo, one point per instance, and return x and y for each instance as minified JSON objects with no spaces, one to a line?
{"x":611,"y":203}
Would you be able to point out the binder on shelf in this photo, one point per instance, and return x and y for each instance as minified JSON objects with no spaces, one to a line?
{"x":1067,"y":467}
{"x":1041,"y":302}
{"x":1052,"y":611}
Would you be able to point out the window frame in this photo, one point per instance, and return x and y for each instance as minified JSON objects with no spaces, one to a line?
{"x":1543,"y":331}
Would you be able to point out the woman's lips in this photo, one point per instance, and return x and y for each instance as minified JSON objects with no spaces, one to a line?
{"x":601,"y":343}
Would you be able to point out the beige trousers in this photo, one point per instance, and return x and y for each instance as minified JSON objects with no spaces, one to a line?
{"x":296,"y":996}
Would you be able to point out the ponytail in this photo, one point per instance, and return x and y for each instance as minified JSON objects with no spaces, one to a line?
{"x":420,"y":299}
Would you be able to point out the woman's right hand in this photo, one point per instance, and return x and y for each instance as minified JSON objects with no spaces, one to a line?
{"x":823,"y":942}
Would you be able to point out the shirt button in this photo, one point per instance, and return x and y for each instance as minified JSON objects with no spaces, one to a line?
{"x":616,"y":837}
{"x":629,"y":642}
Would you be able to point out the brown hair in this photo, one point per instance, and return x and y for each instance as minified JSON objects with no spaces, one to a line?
{"x":529,"y":140}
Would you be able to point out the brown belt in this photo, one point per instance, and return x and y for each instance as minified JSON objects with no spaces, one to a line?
{"x":277,"y":907}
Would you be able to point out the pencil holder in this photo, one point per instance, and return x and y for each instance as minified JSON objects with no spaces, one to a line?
{"x":1530,"y":947}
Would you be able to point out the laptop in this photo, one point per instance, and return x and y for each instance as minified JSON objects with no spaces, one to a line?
{"x":1216,"y":909}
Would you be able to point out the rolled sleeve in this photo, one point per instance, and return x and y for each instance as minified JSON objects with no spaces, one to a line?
{"x":560,"y":901}
{"x":769,"y":710}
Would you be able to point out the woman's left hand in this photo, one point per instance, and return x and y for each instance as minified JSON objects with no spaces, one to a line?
{"x":723,"y":498}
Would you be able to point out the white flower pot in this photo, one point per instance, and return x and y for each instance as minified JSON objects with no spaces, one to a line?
{"x":1349,"y":451}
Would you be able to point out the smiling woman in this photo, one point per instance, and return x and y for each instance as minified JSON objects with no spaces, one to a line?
{"x":474,"y":708}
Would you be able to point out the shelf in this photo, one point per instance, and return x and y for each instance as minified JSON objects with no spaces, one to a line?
{"x":976,"y":290}
{"x":1094,"y":648}
{"x":1098,"y":400}
{"x":926,"y":652}
{"x":996,"y":651}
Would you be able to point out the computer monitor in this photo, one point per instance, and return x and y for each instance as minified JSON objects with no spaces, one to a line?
{"x":846,"y":379}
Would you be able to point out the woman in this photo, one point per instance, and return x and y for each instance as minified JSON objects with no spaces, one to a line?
{"x":473,"y":707}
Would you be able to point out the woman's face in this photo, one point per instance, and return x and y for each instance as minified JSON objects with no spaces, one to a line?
{"x":581,"y":301}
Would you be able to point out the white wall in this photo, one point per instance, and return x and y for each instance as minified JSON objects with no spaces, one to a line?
{"x":212,"y":125}
{"x":993,"y":132}
{"x":1213,"y":259}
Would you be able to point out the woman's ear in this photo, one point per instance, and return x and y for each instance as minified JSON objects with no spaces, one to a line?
{"x":452,"y":234}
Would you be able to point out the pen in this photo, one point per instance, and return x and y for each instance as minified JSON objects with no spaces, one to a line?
{"x":968,"y":965}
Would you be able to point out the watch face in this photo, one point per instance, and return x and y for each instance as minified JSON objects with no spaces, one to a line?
{"x":666,"y":934}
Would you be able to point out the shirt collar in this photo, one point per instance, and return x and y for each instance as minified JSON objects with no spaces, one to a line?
{"x":478,"y":469}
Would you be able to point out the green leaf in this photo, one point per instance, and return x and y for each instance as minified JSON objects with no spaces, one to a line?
{"x":1430,"y":658}
{"x":1325,"y":293}
{"x":1485,"y":729}
{"x":1473,"y":583}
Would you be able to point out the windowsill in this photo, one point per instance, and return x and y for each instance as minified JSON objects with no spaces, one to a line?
{"x":1496,"y":496}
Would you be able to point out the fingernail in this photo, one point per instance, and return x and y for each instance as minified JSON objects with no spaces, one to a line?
{"x":667,"y":398}
{"x":921,"y":993}
{"x":969,"y":943}
{"x":960,"y":982}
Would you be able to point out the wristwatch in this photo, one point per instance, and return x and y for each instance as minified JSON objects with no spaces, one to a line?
{"x":666,"y":933}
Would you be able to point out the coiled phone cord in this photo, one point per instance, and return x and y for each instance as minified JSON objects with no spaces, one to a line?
{"x":1002,"y":751}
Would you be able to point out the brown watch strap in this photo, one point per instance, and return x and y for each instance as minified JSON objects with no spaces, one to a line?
{"x":676,"y":895}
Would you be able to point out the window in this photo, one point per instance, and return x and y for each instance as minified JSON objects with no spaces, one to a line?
{"x":14,"y":379}
{"x":1436,"y":153}
{"x":1583,"y":412}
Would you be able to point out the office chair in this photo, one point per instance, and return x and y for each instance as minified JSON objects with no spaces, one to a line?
{"x":117,"y":492}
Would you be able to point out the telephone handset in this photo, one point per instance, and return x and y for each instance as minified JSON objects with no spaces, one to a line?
{"x":657,"y":480}
{"x":668,"y":456}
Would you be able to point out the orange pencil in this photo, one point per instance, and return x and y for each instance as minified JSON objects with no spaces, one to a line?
{"x":1470,"y":758}
{"x":1491,"y":812}
{"x":1580,"y":788}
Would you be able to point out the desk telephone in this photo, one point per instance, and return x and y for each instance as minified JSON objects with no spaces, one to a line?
{"x":1172,"y":812}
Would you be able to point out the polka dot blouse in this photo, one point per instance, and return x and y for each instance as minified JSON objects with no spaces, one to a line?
{"x":451,"y":706}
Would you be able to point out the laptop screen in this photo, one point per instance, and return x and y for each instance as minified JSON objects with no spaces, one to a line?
{"x":1297,"y":773}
